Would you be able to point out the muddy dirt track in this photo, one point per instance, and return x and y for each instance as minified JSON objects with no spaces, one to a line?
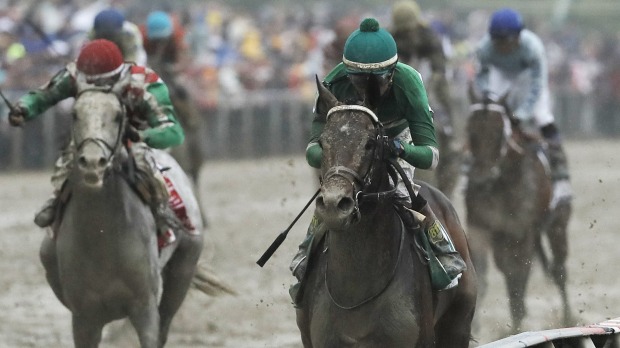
{"x":248,"y":203}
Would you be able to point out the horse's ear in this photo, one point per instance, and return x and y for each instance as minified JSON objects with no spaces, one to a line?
{"x":325,"y":100}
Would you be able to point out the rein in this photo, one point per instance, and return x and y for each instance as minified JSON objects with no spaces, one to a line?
{"x":360,"y":196}
{"x":387,"y":284}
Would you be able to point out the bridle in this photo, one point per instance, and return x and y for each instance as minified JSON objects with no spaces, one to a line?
{"x":362,"y":183}
{"x":112,"y":149}
{"x":507,"y":143}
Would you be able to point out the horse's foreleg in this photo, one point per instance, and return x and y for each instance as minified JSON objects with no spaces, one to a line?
{"x":86,"y":331}
{"x":177,"y":276}
{"x":145,"y":320}
{"x":558,"y":242}
{"x":49,"y":259}
{"x":515,"y":266}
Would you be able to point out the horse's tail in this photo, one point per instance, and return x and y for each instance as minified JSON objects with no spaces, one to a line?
{"x":206,"y":281}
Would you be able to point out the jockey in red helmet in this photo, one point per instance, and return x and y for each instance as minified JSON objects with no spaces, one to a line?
{"x":147,"y":103}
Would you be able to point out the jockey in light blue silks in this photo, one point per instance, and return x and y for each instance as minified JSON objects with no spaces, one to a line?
{"x":512,"y":59}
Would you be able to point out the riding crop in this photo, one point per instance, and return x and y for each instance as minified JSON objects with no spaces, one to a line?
{"x":280,"y":238}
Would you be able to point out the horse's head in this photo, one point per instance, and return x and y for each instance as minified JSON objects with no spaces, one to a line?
{"x":489,"y":134}
{"x":98,"y":128}
{"x":353,"y":144}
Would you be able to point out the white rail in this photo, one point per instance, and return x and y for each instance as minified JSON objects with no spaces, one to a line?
{"x":602,"y":335}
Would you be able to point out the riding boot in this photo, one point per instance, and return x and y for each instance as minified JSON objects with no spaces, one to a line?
{"x":46,"y":215}
{"x":299,"y":265}
{"x":442,"y":247}
{"x":300,"y":260}
{"x":562,"y":191}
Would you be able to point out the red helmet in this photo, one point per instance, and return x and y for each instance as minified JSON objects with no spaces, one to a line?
{"x":100,"y":59}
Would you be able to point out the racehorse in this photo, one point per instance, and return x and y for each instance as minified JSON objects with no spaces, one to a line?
{"x":369,"y":285}
{"x":507,"y":200}
{"x":103,"y":262}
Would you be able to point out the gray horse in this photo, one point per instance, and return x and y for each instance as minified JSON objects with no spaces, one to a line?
{"x":104,"y":262}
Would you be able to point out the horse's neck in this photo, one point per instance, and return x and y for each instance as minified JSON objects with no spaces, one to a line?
{"x":367,"y":249}
{"x":113,"y":205}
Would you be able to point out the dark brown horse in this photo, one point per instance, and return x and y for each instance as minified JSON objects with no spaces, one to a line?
{"x":507,"y":199}
{"x":369,"y":285}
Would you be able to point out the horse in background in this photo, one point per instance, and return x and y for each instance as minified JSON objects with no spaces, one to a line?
{"x":507,"y":199}
{"x":369,"y":284}
{"x":103,"y":263}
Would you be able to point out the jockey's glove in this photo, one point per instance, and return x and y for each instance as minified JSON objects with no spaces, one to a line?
{"x":17,"y":116}
{"x":133,"y":134}
{"x":396,"y":147}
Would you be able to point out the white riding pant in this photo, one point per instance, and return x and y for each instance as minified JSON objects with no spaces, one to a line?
{"x":519,"y":86}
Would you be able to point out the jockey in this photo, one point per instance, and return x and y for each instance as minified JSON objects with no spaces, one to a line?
{"x":168,"y":53}
{"x":512,"y":58}
{"x":370,"y":59}
{"x":111,"y":25}
{"x":416,"y":40}
{"x":151,"y":115}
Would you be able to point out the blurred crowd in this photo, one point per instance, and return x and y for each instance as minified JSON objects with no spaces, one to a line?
{"x":237,"y":50}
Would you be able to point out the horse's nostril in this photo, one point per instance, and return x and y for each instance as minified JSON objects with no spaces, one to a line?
{"x":82,"y":162}
{"x":345,"y":204}
{"x":102,"y":162}
{"x":320,"y":203}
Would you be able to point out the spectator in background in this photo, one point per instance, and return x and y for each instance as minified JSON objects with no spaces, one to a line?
{"x":110,"y":24}
{"x":417,"y":42}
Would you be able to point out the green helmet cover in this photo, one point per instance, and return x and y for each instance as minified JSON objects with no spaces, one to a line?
{"x":369,"y":49}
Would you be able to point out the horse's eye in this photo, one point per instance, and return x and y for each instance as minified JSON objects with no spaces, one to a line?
{"x":118,"y":117}
{"x":370,"y":144}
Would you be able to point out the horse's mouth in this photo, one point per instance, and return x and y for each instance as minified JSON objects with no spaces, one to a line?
{"x":93,"y":180}
{"x":338,"y":223}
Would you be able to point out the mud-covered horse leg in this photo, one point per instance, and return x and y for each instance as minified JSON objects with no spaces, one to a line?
{"x":177,"y":276}
{"x":479,"y":248}
{"x":86,"y":331}
{"x":514,"y":264}
{"x":49,"y":259}
{"x":145,"y":319}
{"x":558,"y":242}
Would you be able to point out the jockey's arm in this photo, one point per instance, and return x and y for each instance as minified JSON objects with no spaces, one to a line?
{"x":165,"y":130}
{"x":538,"y":77}
{"x":36,"y":102}
{"x":413,"y":105}
{"x":314,"y":152}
